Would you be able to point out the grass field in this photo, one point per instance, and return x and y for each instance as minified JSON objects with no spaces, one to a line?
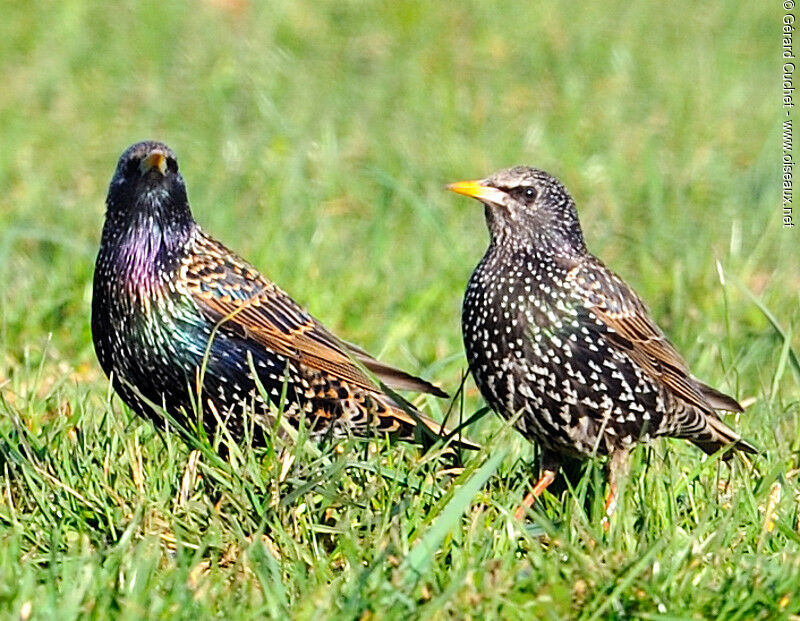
{"x":316,"y":138}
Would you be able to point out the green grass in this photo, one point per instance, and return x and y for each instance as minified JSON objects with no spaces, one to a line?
{"x":316,"y":138}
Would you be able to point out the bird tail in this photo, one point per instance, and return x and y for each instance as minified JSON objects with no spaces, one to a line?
{"x":717,"y":435}
{"x":414,"y":426}
{"x":394,"y":378}
{"x":405,"y":422}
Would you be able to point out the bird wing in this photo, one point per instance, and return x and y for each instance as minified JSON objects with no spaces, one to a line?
{"x":229,"y":290}
{"x":618,"y":307}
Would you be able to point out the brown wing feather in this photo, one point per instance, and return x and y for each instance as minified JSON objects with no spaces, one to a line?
{"x":620,"y":309}
{"x":230,"y":290}
{"x":313,"y":346}
{"x":232,"y":293}
{"x":719,"y":400}
{"x":391,"y":376}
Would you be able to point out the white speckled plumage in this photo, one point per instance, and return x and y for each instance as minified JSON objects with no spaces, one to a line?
{"x":557,"y":341}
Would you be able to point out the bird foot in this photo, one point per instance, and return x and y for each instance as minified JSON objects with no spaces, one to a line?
{"x":548,"y":476}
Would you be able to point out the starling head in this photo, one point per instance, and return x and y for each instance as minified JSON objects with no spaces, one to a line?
{"x":147,"y":183}
{"x":527,"y":207}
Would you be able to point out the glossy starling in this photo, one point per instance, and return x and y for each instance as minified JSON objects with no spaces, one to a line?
{"x":558,"y":342}
{"x":179,"y":320}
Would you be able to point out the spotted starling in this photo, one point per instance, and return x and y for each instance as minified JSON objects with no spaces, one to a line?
{"x":559,"y":343}
{"x":180,"y":321}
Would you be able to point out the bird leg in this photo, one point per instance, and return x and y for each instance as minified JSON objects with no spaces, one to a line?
{"x":549,"y":469}
{"x":617,"y":467}
{"x":548,"y":476}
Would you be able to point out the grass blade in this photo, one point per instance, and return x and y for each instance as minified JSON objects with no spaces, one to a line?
{"x":420,"y":556}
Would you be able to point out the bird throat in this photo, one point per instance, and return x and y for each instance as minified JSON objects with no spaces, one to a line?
{"x":146,"y":249}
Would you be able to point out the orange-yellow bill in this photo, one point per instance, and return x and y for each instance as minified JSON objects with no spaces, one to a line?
{"x":476,"y":189}
{"x":155,"y":160}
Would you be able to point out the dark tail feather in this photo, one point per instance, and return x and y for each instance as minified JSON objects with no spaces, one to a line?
{"x":718,"y":435}
{"x":719,"y":400}
{"x":393,"y":377}
{"x":410,"y":425}
{"x":406,"y":422}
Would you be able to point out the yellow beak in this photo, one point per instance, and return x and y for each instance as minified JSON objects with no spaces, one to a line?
{"x":157,"y":160}
{"x":476,"y":189}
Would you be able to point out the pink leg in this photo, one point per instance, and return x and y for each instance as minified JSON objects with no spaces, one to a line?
{"x":617,"y":466}
{"x":548,"y":476}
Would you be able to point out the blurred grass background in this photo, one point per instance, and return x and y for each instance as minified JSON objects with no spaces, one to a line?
{"x":316,"y":138}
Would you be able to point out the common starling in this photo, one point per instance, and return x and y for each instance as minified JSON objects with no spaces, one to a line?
{"x":559,"y":343}
{"x":179,"y":320}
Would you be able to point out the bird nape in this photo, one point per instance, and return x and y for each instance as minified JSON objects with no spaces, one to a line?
{"x":558,"y":341}
{"x":177,"y":316}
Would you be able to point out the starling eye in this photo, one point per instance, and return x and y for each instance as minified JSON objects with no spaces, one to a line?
{"x":131,"y":168}
{"x":172,"y":164}
{"x":525,"y":194}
